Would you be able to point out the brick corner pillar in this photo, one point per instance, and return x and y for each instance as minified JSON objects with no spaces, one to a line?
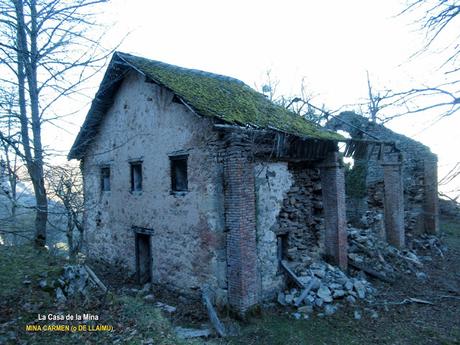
{"x":394,"y":203}
{"x":431,"y":201}
{"x":333,"y":185}
{"x":240,"y":220}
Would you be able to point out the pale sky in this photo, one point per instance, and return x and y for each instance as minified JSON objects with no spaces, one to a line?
{"x":330,"y":43}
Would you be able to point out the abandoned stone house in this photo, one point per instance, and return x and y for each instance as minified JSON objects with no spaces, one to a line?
{"x":193,"y":179}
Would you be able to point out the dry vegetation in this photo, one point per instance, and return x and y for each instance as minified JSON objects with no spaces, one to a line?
{"x":137,"y":321}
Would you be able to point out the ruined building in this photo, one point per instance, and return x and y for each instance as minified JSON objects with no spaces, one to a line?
{"x":193,"y":179}
{"x":366,"y":187}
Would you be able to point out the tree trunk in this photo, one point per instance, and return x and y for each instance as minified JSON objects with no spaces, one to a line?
{"x":70,"y":236}
{"x":41,"y":215}
{"x":27,"y":66}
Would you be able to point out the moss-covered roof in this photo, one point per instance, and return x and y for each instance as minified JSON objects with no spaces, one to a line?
{"x":208,"y":94}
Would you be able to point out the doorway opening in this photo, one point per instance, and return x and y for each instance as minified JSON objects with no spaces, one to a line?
{"x":143,"y":258}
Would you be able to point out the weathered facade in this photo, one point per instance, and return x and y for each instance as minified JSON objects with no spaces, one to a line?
{"x":185,"y":229}
{"x":193,"y":179}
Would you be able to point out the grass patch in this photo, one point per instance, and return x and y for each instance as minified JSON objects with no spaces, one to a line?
{"x":20,"y":269}
{"x":21,"y":300}
{"x":279,"y":330}
{"x":451,"y":230}
{"x":136,"y":321}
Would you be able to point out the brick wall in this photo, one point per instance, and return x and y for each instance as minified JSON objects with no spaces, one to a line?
{"x":394,"y":218}
{"x":333,"y":181}
{"x":242,"y":271}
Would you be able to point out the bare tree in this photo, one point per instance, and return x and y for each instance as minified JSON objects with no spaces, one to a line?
{"x":438,"y":19}
{"x":48,"y":48}
{"x":376,"y":101}
{"x":435,"y":18}
{"x":299,"y":103}
{"x":65,"y":185}
{"x":10,"y":162}
{"x":452,"y":174}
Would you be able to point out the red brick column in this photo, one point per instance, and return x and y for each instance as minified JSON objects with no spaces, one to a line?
{"x":333,"y":186}
{"x":431,"y":202}
{"x":240,"y":219}
{"x":394,"y":203}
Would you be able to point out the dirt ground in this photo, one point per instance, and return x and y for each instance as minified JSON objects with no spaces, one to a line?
{"x":410,"y":311}
{"x":431,"y":317}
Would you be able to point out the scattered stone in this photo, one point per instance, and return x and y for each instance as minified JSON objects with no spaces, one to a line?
{"x":349,"y":285}
{"x":324,"y":293}
{"x":330,"y":309}
{"x":281,"y":299}
{"x":310,"y":299}
{"x":60,"y":295}
{"x":357,"y":315}
{"x":360,"y":289}
{"x":316,"y":284}
{"x":338,"y":293}
{"x":307,"y":309}
{"x":165,"y":307}
{"x":351,"y":299}
{"x":297,"y":316}
{"x":75,"y":279}
{"x":43,"y":283}
{"x":146,"y":288}
{"x":319,"y":273}
{"x":319,"y":302}
{"x":289,"y":298}
{"x":335,"y":286}
{"x":149,"y":298}
{"x":421,"y":276}
{"x":186,"y":333}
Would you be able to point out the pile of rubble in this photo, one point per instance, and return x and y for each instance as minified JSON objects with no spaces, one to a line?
{"x":368,"y":252}
{"x":325,"y":289}
{"x":76,"y":280}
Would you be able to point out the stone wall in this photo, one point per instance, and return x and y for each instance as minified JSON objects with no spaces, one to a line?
{"x":301,"y":217}
{"x":189,"y":240}
{"x":272,"y":181}
{"x":290,"y":219}
{"x":417,"y":188}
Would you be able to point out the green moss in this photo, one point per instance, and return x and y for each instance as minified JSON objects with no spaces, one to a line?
{"x":226,"y":98}
{"x":355,"y":180}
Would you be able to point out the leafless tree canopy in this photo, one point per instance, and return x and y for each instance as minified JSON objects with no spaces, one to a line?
{"x":299,"y":103}
{"x":439,"y":21}
{"x":65,"y":185}
{"x":48,"y":49}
